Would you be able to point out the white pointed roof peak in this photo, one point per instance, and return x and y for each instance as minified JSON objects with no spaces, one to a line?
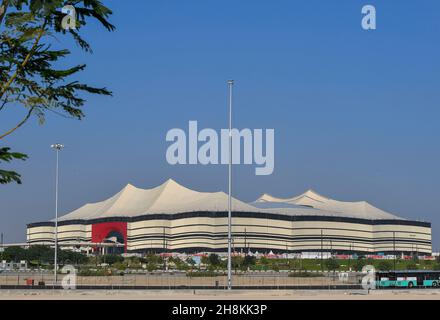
{"x":267,"y":197}
{"x":170,"y":181}
{"x":129,"y":186}
{"x":171,"y":186}
{"x":312,"y":192}
{"x":313,"y":195}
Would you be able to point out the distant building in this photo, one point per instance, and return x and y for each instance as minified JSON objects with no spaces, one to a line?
{"x":172,"y":218}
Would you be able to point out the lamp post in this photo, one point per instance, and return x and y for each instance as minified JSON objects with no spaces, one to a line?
{"x":349,"y":256}
{"x":322,"y":266}
{"x":57,"y":147}
{"x":394,"y":249}
{"x":230,"y":84}
{"x":412,"y":246}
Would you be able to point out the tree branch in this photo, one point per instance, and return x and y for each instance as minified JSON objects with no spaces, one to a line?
{"x":25,"y":61}
{"x":4,"y":103}
{"x":3,"y":8}
{"x":19,"y":124}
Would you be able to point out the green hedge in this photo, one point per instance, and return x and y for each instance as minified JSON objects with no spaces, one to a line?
{"x":305,"y":274}
{"x":204,"y":274}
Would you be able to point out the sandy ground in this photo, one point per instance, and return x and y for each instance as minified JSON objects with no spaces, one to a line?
{"x":414,"y":294}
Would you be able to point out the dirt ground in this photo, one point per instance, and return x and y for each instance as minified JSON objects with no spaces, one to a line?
{"x":415,"y":294}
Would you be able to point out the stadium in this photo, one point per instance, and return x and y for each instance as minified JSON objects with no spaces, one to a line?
{"x":173,"y":218}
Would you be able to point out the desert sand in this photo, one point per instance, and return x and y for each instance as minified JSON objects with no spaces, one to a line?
{"x":414,"y":294}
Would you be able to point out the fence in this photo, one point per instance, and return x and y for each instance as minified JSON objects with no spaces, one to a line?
{"x":174,"y":281}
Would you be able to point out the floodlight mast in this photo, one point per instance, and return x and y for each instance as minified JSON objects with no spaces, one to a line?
{"x":57,"y":147}
{"x":230,"y":85}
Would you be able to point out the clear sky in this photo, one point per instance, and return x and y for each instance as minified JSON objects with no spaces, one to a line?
{"x":355,"y":113}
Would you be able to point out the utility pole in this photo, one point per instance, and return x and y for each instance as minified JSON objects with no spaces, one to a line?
{"x":322,"y":253}
{"x":164,"y":251}
{"x":394,"y":249}
{"x":349,"y":257}
{"x":230,"y":85}
{"x":164,"y":240}
{"x":57,"y":147}
{"x":331,"y":249}
{"x":245,"y":242}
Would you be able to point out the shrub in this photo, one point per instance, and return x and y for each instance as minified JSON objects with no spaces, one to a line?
{"x":112,"y":258}
{"x":359,"y":264}
{"x":412,"y":266}
{"x":237,"y":262}
{"x":249,"y":261}
{"x":205,"y":274}
{"x":152,"y":258}
{"x":331,"y":264}
{"x":305,"y":274}
{"x":385,"y":265}
{"x":89,"y":273}
{"x":436,"y":266}
{"x":151,"y":266}
{"x":214,"y":259}
{"x":119,"y":266}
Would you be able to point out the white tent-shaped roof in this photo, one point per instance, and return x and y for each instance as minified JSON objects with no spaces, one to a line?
{"x":171,"y":197}
{"x":312,"y":199}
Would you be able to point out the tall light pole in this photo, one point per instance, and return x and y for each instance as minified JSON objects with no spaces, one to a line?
{"x":230,"y":84}
{"x":57,"y":147}
{"x":322,"y":253}
{"x":394,"y":249}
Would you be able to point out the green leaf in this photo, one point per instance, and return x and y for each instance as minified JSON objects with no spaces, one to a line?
{"x":7,"y":156}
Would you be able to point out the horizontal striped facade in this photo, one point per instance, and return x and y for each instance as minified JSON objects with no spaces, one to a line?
{"x":207,"y":231}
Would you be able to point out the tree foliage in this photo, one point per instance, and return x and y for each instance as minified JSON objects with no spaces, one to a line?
{"x":14,"y":254}
{"x":385,"y":265}
{"x":30,"y":74}
{"x":359,"y":264}
{"x":214,"y":259}
{"x":331,"y":264}
{"x":112,"y":259}
{"x":249,"y":261}
{"x":38,"y":255}
{"x":7,"y":176}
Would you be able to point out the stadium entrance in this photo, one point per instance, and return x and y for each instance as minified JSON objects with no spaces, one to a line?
{"x":111,"y":232}
{"x":114,"y":237}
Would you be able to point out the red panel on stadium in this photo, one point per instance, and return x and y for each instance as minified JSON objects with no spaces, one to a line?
{"x":100,"y":231}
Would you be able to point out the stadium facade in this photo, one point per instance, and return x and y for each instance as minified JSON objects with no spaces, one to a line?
{"x":173,"y":218}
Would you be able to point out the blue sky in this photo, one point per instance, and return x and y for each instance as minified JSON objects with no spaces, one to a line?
{"x":355,"y":112}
